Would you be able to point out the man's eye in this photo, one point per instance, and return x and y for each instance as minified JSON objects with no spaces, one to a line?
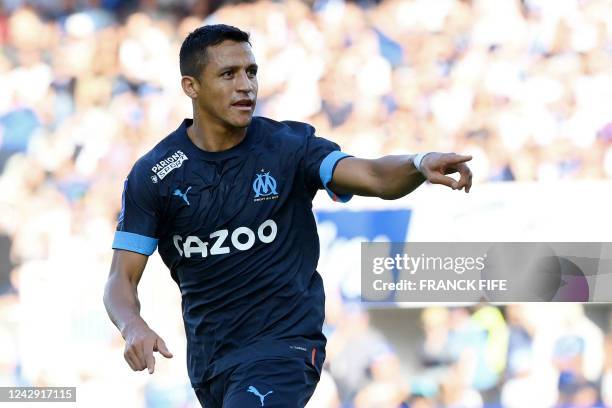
{"x":253,"y":72}
{"x":227,"y":74}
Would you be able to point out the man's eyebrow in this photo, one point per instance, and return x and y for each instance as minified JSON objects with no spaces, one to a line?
{"x":236,"y":67}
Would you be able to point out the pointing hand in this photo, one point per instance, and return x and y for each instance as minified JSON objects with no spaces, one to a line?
{"x":435,"y":167}
{"x":140,"y":343}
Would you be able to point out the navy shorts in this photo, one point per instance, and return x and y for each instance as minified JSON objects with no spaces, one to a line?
{"x":271,"y":383}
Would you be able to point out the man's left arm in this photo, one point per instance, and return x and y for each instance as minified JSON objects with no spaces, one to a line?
{"x":392,"y":177}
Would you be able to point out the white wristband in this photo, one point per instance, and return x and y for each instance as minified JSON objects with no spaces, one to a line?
{"x":418,"y":159}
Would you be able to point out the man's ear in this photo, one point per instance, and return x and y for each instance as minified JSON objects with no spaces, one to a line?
{"x":190,"y":86}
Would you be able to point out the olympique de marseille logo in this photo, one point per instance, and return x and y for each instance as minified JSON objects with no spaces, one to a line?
{"x":264,"y":186}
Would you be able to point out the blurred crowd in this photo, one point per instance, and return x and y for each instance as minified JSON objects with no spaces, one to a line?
{"x":87,"y":86}
{"x":528,"y":355}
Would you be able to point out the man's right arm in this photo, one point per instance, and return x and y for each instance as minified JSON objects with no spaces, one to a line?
{"x":123,"y":307}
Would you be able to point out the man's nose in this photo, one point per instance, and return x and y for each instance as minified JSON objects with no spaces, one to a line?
{"x":244,"y":83}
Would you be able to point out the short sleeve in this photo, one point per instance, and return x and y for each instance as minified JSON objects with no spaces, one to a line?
{"x":321,"y":159}
{"x":138,"y":220}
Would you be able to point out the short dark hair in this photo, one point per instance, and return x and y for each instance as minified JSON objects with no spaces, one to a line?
{"x":192,"y":56}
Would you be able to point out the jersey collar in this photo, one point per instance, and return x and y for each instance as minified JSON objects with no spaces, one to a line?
{"x":237,"y":150}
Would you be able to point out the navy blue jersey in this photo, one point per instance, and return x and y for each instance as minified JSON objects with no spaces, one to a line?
{"x":237,"y":232}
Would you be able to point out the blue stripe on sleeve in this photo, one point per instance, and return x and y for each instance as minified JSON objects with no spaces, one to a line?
{"x":326,"y":171}
{"x":134,"y":242}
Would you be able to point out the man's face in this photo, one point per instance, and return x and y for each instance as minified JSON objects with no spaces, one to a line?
{"x":228,"y":84}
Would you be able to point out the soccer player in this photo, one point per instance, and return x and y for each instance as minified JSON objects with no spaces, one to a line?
{"x":227,"y":201}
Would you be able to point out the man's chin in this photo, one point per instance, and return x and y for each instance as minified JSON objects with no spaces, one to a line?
{"x":242,"y":122}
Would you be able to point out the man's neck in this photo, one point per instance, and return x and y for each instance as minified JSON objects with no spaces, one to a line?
{"x":213,"y":136}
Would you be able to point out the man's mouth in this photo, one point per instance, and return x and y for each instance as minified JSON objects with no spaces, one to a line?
{"x":243,"y":104}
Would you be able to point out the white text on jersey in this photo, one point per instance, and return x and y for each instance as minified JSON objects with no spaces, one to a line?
{"x":242,"y":238}
{"x":170,"y":163}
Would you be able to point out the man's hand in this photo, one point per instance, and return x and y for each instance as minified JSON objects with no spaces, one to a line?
{"x":140,"y":343}
{"x":436,"y":166}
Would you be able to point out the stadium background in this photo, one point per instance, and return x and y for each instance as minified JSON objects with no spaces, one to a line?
{"x":524,"y":86}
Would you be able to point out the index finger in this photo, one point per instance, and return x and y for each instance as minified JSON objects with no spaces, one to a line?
{"x":148,"y":355}
{"x":455,"y":158}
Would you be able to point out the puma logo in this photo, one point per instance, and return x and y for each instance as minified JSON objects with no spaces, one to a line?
{"x":254,"y":390}
{"x":178,"y":193}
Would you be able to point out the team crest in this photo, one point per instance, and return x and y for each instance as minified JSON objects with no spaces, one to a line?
{"x":264,"y":186}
